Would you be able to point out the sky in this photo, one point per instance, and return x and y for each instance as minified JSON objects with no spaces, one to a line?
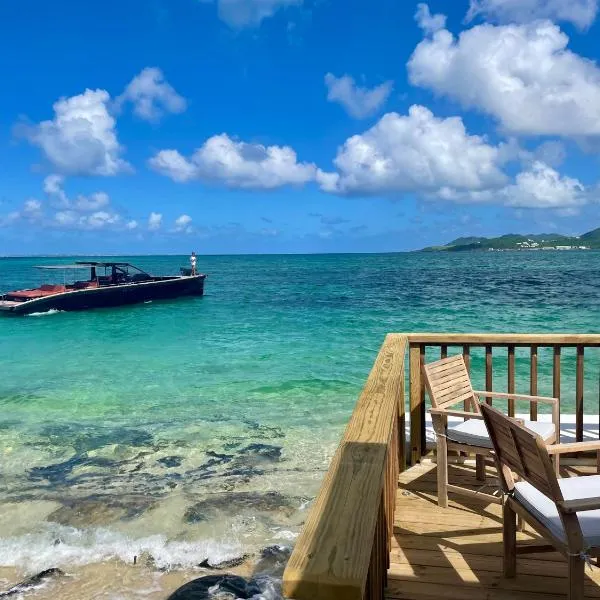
{"x":295,"y":126}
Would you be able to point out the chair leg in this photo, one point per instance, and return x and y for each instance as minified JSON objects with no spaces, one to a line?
{"x":576,"y":577}
{"x":480,"y":467}
{"x":509,"y":539}
{"x":556,"y":459}
{"x":442,"y":471}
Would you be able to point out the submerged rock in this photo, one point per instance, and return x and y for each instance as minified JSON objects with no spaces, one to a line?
{"x":236,"y":502}
{"x":170,"y":461}
{"x":31,"y":582}
{"x":272,"y":559}
{"x":264,"y":451}
{"x":209,"y":587}
{"x":100,"y":510}
{"x":225,"y":564}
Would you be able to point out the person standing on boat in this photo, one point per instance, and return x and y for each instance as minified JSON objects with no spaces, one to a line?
{"x":193,"y":263}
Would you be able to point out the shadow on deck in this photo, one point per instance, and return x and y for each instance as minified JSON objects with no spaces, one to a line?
{"x":456,"y":553}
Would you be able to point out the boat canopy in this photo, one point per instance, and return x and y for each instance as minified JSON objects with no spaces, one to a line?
{"x":58,"y":267}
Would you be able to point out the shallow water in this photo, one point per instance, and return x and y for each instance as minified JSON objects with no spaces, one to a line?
{"x":201,"y":428}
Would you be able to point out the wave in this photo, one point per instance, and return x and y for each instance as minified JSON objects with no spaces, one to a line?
{"x":52,"y":311}
{"x":61,"y":546}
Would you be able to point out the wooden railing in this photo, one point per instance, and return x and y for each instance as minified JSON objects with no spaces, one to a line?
{"x":419,"y":343}
{"x":343,"y":550}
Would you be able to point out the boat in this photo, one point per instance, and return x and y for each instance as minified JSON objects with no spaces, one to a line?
{"x":109,"y":284}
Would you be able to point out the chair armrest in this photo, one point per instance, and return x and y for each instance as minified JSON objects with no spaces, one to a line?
{"x":455,"y":413}
{"x":574,"y":447}
{"x":542,"y":399}
{"x":582,"y":504}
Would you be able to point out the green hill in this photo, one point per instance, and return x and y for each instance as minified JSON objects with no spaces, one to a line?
{"x":513,"y":241}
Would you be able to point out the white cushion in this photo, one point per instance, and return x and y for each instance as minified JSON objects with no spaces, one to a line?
{"x":573,"y":488}
{"x":474,"y":433}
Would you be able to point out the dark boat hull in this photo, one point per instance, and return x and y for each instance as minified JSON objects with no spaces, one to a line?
{"x":113,"y":295}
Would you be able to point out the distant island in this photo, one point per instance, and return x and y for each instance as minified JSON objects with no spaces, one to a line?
{"x":512,"y":241}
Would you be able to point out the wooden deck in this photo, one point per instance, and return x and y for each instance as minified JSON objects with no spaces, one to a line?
{"x":456,"y":553}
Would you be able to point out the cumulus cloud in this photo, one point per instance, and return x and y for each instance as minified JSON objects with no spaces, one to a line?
{"x":239,"y":14}
{"x":416,"y":152}
{"x":539,"y":186}
{"x":81,"y":139}
{"x":183,"y":224}
{"x":359,"y":102}
{"x":428,"y":22}
{"x":543,"y":187}
{"x":154,"y":221}
{"x":236,"y":165}
{"x":523,"y":75}
{"x":581,"y":13}
{"x":152,"y":96}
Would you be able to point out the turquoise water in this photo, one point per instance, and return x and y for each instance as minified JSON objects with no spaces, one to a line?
{"x":202,"y":427}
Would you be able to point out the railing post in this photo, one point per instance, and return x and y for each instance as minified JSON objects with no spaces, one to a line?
{"x":511,"y":380}
{"x":402,"y":425}
{"x":417,"y":403}
{"x":533,"y":382}
{"x":489,"y":373}
{"x":579,"y":395}
{"x":556,"y":379}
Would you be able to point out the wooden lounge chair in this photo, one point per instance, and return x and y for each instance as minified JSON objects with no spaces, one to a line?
{"x":448,"y":383}
{"x":566,"y":512}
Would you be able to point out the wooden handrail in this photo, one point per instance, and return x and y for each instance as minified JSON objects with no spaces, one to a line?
{"x":505,"y":339}
{"x":343,"y":550}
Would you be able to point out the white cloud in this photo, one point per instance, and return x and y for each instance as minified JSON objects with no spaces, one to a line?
{"x":53,"y":187}
{"x":131,"y":224}
{"x":539,"y":186}
{"x":581,"y":13}
{"x":428,"y":22}
{"x":71,"y":219}
{"x":154,"y":221}
{"x":32,"y":208}
{"x":359,"y":102}
{"x":417,"y":152}
{"x":81,"y":138}
{"x":543,"y":187}
{"x":92,"y":202}
{"x":523,"y":75}
{"x":152,"y":96}
{"x":183,"y":224}
{"x":236,"y":165}
{"x":239,"y":14}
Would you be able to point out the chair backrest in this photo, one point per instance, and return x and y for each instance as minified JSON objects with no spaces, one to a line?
{"x":522,"y":451}
{"x":448,"y":382}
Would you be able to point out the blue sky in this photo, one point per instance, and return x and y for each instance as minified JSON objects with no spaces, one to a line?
{"x":251,"y":126}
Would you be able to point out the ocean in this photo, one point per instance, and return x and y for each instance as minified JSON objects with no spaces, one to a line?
{"x":196,"y":429}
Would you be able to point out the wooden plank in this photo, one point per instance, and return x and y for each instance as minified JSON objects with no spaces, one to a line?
{"x":533,"y":382}
{"x":489,"y":373}
{"x":511,"y":379}
{"x":466,"y":578}
{"x":400,"y":589}
{"x":579,"y":395}
{"x":417,"y":406}
{"x":504,"y":339}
